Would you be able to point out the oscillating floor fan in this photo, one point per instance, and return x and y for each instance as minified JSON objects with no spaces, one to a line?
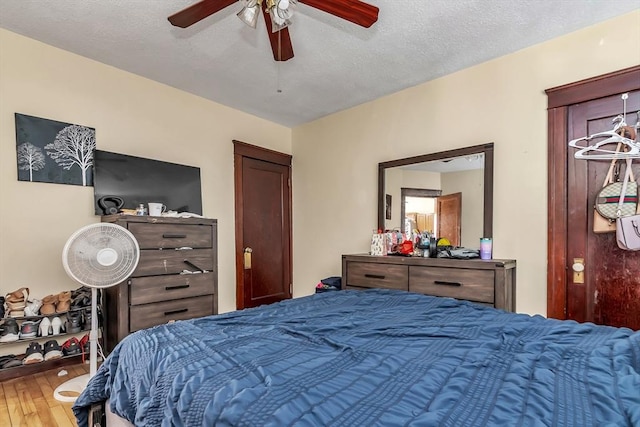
{"x":97,"y":256}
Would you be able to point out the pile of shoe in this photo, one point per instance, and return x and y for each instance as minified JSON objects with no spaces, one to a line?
{"x":81,"y":297}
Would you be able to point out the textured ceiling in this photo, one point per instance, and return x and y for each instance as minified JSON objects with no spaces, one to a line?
{"x":337,"y":64}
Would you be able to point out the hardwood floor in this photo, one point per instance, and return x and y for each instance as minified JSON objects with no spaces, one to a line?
{"x":28,"y":401}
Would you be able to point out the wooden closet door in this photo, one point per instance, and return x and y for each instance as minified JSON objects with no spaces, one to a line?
{"x":610,"y":293}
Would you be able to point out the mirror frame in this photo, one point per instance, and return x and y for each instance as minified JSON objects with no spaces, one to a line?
{"x":486,"y":149}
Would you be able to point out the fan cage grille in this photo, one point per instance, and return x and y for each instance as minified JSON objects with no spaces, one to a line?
{"x":81,"y":260}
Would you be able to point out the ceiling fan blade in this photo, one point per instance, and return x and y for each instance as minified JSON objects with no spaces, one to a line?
{"x":280,"y":40}
{"x":355,"y":11}
{"x":198,"y":12}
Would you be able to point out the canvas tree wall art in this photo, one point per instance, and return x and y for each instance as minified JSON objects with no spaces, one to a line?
{"x":52,"y":151}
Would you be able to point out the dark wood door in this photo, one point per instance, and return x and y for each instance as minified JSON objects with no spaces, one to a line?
{"x":449,"y":217}
{"x":263,"y":225}
{"x":610,"y":293}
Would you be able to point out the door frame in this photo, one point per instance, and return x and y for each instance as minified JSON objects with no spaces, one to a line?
{"x":558,"y":101}
{"x":242,"y":150}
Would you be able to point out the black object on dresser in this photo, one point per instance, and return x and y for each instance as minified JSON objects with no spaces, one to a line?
{"x":488,"y":282}
{"x":176,"y":278}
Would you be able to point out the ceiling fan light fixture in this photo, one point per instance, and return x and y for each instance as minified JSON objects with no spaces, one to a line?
{"x":280,"y":12}
{"x":283,"y":4}
{"x":249,"y":13}
{"x":277,"y":26}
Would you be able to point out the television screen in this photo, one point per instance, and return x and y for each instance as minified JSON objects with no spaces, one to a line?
{"x":137,"y":180}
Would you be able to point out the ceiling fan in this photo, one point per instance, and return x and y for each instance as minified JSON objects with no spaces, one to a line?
{"x":277,"y":15}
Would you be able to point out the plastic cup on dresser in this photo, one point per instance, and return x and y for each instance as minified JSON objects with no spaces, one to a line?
{"x":486,"y":248}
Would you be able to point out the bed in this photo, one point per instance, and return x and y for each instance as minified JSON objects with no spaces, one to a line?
{"x":372,"y":358}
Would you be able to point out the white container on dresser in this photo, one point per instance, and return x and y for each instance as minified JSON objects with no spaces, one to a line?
{"x":488,"y":282}
{"x":176,"y":278}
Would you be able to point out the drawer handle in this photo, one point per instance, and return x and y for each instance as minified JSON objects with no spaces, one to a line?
{"x":443,"y":283}
{"x":190,"y":264}
{"x":182,"y":310}
{"x":174,"y":236}
{"x":374,"y":276}
{"x":171,"y":288}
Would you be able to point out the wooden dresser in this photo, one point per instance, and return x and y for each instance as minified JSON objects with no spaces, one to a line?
{"x":159,"y":291}
{"x":490,"y":282}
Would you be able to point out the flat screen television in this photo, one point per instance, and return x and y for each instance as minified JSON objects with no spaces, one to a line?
{"x":137,"y":180}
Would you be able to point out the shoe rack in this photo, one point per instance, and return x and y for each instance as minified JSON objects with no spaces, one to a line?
{"x":19,"y":346}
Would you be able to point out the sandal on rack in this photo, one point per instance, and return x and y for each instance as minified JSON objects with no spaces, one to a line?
{"x":16,"y":302}
{"x":64,"y":302}
{"x":49,"y":304}
{"x":20,"y":295}
{"x":32,"y":308}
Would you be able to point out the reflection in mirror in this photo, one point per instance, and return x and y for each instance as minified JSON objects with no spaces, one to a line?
{"x":449,"y":194}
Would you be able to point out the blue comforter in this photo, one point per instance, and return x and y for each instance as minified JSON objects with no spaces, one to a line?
{"x":372,"y":358}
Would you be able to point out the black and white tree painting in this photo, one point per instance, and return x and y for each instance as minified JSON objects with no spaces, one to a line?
{"x":52,"y":151}
{"x":30,"y":158}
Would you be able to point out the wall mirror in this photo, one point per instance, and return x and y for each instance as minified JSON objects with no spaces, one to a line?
{"x":449,"y":193}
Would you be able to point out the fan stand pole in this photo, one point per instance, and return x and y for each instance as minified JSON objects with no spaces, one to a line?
{"x":93,"y":335}
{"x":75,"y":386}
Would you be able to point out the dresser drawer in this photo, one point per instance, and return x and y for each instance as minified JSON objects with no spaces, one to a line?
{"x":171,"y":261}
{"x":148,"y":315}
{"x":155,"y":236}
{"x":371,"y":275}
{"x":467,"y":284}
{"x":145,"y":290}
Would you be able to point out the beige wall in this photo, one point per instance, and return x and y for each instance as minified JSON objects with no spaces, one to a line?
{"x":131,"y":115}
{"x":500,"y":101}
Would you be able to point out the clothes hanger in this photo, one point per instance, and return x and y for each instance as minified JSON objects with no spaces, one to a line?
{"x":599,"y":150}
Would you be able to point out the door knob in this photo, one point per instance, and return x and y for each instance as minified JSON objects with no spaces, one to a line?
{"x":247,"y":258}
{"x":578,"y":270}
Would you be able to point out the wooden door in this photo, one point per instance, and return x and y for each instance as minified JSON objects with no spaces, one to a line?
{"x":610,"y":293}
{"x":449,"y":217}
{"x":263,"y":225}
